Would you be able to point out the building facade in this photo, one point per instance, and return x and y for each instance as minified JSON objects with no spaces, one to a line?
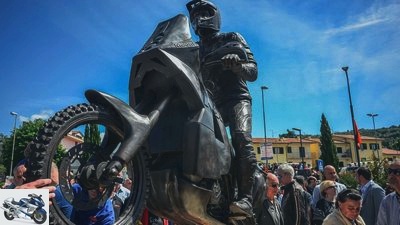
{"x":71,"y":139}
{"x":346,"y":149}
{"x":390,"y":154}
{"x":287,"y":150}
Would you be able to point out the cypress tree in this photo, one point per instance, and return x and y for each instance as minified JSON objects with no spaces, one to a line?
{"x":328,"y":148}
{"x":91,"y":137}
{"x":92,"y":134}
{"x":86,"y":136}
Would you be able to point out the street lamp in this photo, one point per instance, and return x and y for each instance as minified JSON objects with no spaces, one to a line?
{"x":264,"y":88}
{"x":13,"y":147}
{"x":345,"y":69}
{"x":302,"y":151}
{"x":373,"y":115}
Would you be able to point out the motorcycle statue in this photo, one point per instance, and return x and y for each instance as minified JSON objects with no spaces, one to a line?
{"x":31,"y":207}
{"x":170,"y":140}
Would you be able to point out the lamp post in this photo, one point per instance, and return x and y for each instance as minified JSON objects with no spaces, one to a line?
{"x":264,"y":88}
{"x":373,"y":115}
{"x":302,"y":151}
{"x":345,"y":69}
{"x":13,"y":147}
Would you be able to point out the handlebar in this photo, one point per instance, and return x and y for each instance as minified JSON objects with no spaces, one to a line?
{"x":34,"y":195}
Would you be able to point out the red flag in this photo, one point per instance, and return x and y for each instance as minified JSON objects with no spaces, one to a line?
{"x":358,"y":135}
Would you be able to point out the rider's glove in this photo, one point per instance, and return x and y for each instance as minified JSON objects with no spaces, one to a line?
{"x":231,"y":62}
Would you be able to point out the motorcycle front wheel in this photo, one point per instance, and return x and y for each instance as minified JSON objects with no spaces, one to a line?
{"x":64,"y":140}
{"x":39,"y":217}
{"x":8,"y":216}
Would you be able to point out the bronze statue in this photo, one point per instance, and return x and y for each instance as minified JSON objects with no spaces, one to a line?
{"x":226,"y":83}
{"x":170,"y":139}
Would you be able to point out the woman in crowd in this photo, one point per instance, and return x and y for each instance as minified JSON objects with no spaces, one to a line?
{"x":326,"y":204}
{"x":347,"y":212}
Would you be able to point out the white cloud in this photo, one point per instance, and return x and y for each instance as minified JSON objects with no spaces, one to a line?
{"x":315,"y":58}
{"x":44,"y":114}
{"x":355,"y":26}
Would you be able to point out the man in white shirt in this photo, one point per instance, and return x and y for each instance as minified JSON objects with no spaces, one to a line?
{"x":329,"y":174}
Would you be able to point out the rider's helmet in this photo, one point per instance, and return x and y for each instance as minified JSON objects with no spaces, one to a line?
{"x":204,"y":17}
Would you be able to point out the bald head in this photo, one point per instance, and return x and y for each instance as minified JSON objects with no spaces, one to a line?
{"x":272,"y":186}
{"x":272,"y":178}
{"x":330,"y":173}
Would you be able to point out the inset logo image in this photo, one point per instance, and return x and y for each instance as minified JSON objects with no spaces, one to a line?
{"x":24,"y":206}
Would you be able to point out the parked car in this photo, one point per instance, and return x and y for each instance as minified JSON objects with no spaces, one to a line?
{"x":348,"y":169}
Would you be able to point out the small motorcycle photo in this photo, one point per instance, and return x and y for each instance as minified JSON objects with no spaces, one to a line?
{"x":32,"y":207}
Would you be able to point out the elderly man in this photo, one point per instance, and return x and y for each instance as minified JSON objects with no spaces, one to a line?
{"x":389,"y":211}
{"x":271,"y":210}
{"x":295,"y":206}
{"x":372,"y":195}
{"x":329,"y":174}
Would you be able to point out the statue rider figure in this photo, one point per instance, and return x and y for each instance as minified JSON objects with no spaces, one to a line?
{"x":227,"y":86}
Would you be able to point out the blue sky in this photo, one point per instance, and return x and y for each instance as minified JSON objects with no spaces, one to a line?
{"x":52,"y":51}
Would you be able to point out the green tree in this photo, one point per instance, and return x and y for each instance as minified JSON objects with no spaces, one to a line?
{"x":3,"y":169}
{"x":2,"y":139}
{"x":289,"y":134}
{"x":396,"y":144}
{"x":60,"y":154}
{"x":328,"y":148}
{"x":92,"y":134}
{"x":25,"y":133}
{"x":378,"y":172}
{"x":349,"y":179}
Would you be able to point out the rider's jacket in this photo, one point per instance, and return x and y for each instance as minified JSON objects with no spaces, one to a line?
{"x":225,"y":85}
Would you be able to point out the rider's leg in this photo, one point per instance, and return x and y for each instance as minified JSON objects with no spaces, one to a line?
{"x":245,"y":179}
{"x":240,"y":127}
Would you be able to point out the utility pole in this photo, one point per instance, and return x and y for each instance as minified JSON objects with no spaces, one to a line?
{"x":345,"y":69}
{"x":302,"y":150}
{"x":263,"y":88}
{"x":373,"y":115}
{"x":13,"y":147}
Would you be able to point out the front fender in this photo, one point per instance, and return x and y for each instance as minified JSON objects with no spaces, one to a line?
{"x":41,"y":211}
{"x":136,"y":126}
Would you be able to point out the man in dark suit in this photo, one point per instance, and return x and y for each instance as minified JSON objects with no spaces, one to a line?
{"x":295,"y":204}
{"x":271,"y":211}
{"x":372,"y":195}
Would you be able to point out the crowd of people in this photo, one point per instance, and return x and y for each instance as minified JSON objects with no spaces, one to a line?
{"x":291,"y":199}
{"x":105,"y":213}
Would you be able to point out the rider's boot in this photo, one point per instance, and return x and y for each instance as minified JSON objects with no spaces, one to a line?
{"x":245,"y":180}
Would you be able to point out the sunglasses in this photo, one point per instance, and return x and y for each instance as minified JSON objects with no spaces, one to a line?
{"x":394,"y":171}
{"x":280,"y":176}
{"x":274,"y":185}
